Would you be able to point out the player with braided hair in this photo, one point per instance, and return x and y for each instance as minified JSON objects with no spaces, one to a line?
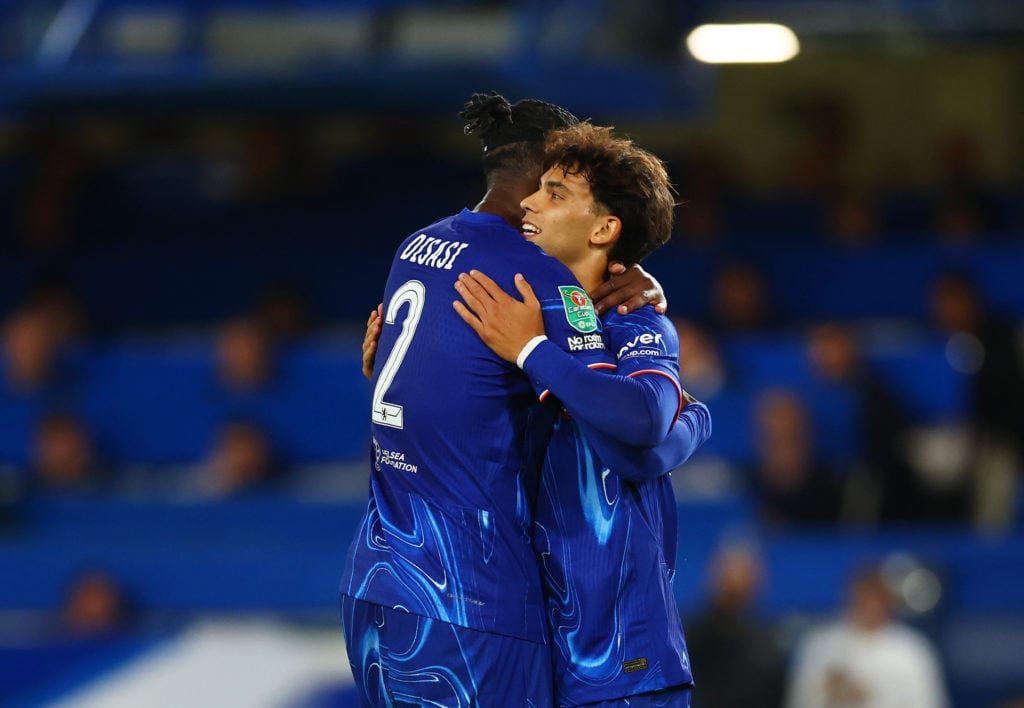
{"x":441,"y":596}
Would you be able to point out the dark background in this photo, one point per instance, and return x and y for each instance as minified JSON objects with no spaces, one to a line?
{"x":184,"y":179}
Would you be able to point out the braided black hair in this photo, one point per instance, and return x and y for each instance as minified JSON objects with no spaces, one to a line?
{"x":503,"y":127}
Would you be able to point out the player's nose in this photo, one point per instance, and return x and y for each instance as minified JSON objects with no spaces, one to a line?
{"x":527,"y":204}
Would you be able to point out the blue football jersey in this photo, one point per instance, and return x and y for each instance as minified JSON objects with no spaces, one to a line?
{"x":453,"y":480}
{"x":607,"y":545}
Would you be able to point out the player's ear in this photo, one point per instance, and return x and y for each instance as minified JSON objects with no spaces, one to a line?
{"x":607,"y":233}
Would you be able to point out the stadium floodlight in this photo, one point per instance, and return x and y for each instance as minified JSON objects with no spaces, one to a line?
{"x":756,"y":43}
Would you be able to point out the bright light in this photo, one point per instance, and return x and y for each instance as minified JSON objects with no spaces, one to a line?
{"x":743,"y":44}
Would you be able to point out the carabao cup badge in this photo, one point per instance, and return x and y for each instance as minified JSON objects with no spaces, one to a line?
{"x":579,"y":310}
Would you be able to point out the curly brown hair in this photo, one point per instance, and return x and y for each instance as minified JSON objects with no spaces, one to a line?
{"x":627,"y":182}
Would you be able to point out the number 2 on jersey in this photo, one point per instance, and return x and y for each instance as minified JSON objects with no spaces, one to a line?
{"x":412,"y":293}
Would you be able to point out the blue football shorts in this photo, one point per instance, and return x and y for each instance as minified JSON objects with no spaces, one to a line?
{"x":675,"y":697}
{"x":400,"y":659}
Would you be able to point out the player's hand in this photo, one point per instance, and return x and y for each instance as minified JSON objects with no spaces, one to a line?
{"x":373,"y":325}
{"x":628,"y":289}
{"x":504,"y":323}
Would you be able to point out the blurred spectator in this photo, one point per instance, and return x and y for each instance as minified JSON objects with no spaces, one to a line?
{"x":700,"y":367}
{"x":959,"y":217}
{"x":867,"y":659}
{"x":790,"y":484}
{"x":63,"y":458}
{"x":964,"y":210}
{"x":704,"y":178}
{"x":740,"y":301}
{"x":987,"y":347}
{"x":826,"y":137}
{"x":852,"y":218}
{"x":60,"y":170}
{"x":736,"y":659}
{"x":30,"y":351}
{"x":703,"y":374}
{"x":940,"y":455}
{"x":245,"y":360}
{"x":57,"y":302}
{"x":266,"y":152}
{"x":277,"y":164}
{"x":885,"y":487}
{"x":94,"y":605}
{"x":241,"y":461}
{"x":283,"y":311}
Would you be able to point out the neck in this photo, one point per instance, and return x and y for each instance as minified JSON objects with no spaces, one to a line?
{"x":505,"y":192}
{"x":590,"y":271}
{"x":504,"y":205}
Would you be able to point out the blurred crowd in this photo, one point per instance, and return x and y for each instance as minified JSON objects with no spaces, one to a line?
{"x":59,"y":171}
{"x":867,"y":656}
{"x":960,"y":206}
{"x":900,"y":466}
{"x":903,"y":468}
{"x":63,"y":458}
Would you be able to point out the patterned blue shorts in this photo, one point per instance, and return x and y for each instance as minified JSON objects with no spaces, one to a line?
{"x":668,"y":698}
{"x":400,"y":659}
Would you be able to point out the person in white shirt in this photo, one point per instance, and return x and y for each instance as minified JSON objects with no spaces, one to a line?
{"x":867,"y":659}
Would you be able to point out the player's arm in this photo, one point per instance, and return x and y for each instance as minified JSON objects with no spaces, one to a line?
{"x":639,"y":464}
{"x":637,"y":411}
{"x":628,"y":289}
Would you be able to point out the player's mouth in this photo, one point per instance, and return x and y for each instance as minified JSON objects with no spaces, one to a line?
{"x":530,"y":230}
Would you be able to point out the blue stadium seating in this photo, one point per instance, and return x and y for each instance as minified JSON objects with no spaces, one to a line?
{"x":157,"y":402}
{"x":160,"y":404}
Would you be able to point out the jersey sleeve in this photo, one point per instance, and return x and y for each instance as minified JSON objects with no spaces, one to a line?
{"x":638,"y":404}
{"x":572,"y":326}
{"x":691,"y":430}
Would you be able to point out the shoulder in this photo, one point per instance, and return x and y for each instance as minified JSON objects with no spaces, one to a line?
{"x":645,"y":317}
{"x":909,"y":640}
{"x":506,"y":246}
{"x":552,"y":282}
{"x":447,"y":225}
{"x":641,"y":332}
{"x":444,"y":224}
{"x":466,"y":226}
{"x":824,"y":641}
